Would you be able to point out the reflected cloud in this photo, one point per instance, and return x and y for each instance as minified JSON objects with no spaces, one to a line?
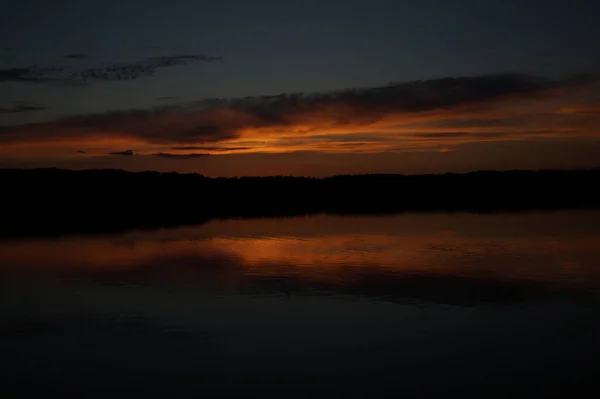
{"x":430,"y":265}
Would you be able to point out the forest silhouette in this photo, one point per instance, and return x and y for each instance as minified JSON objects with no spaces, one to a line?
{"x":49,"y":202}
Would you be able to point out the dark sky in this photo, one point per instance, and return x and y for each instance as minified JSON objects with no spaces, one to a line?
{"x":82,"y":79}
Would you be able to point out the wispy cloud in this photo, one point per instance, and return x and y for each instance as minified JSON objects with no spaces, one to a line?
{"x":135,"y":70}
{"x":179,"y":156}
{"x":400,"y":116}
{"x":21,"y":107}
{"x":181,"y":59}
{"x":68,"y":75}
{"x":31,"y":74}
{"x":76,"y":56}
{"x":126,"y":153}
{"x":584,"y":109}
{"x":210,"y":148}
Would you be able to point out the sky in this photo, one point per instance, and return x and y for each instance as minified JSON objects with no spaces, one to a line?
{"x":300,"y":87}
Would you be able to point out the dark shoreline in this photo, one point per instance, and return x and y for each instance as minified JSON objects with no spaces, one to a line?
{"x":52,"y":202}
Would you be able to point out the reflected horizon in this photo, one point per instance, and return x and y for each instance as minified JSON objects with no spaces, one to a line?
{"x":346,"y":304}
{"x":555,"y":250}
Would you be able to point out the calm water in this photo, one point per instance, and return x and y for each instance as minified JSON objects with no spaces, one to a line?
{"x":414,"y":305}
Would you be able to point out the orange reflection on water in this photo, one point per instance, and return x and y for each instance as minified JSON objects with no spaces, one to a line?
{"x":541,"y":247}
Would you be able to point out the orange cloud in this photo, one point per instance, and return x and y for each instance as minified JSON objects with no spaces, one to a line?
{"x":585,"y":109}
{"x":414,"y":116}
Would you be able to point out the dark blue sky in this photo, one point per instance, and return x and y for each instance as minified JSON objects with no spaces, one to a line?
{"x":279,"y":46}
{"x":272,"y":47}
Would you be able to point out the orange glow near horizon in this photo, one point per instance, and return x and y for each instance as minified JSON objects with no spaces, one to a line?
{"x":339,"y":129}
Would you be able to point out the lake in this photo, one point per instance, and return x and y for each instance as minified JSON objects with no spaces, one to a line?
{"x":407,"y":305}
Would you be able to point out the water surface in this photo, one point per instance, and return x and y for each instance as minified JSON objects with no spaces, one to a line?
{"x":413,"y":305}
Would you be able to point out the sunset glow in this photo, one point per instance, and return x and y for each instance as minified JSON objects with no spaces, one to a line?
{"x":331,"y":128}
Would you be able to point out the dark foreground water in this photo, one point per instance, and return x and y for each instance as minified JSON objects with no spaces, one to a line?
{"x":414,"y":305}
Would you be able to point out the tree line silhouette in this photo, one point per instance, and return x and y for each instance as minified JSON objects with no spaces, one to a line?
{"x":55,"y":201}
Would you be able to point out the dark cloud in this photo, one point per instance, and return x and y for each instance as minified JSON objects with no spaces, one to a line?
{"x":166,"y":98}
{"x":8,"y":48}
{"x":163,"y":125}
{"x":172,"y":60}
{"x":214,"y":120}
{"x":454,"y":135}
{"x":21,"y":107}
{"x":32,"y":74}
{"x":81,"y":152}
{"x":370,"y":104}
{"x":77,"y":56}
{"x":134,"y":70}
{"x":461,"y":123}
{"x":126,"y":153}
{"x":107,"y":73}
{"x":179,"y":156}
{"x":349,"y":137}
{"x":209,"y":148}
